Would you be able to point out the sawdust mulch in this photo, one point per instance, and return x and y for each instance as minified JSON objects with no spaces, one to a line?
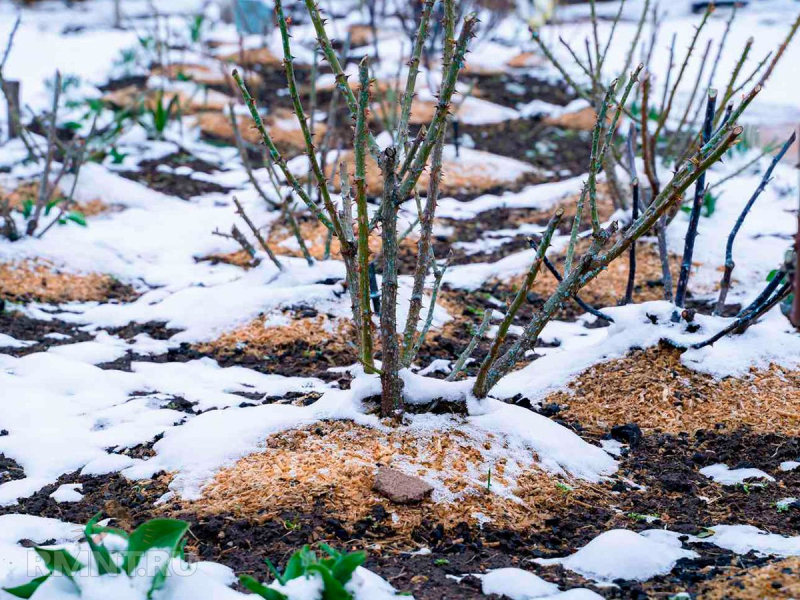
{"x":29,"y":191}
{"x":281,"y":240}
{"x":608,"y":288}
{"x":239,"y":258}
{"x":776,"y":580}
{"x":654,"y":390}
{"x":458,"y":176}
{"x":258,"y":337}
{"x":189,"y":104}
{"x":334,"y":463}
{"x":281,"y":125}
{"x":39,"y":281}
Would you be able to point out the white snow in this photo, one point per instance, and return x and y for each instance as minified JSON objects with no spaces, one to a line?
{"x":215,"y":439}
{"x":6,"y":341}
{"x":68,"y":492}
{"x":744,"y":538}
{"x":623,"y":554}
{"x":789,"y":465}
{"x":516,"y":584}
{"x":723,"y":474}
{"x":184,"y":581}
{"x":771,"y":340}
{"x":62,"y":412}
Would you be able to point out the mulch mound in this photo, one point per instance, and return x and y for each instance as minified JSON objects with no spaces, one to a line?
{"x":654,"y":390}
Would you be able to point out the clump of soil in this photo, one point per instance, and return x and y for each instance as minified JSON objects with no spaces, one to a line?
{"x":46,"y":334}
{"x":564,"y":152}
{"x":307,"y":344}
{"x":39,"y":281}
{"x":173,"y":184}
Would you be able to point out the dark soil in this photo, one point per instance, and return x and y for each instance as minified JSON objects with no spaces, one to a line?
{"x":562,"y":152}
{"x":513,"y":89}
{"x":22,"y":327}
{"x":181,"y":159}
{"x":173,"y":184}
{"x":9,"y":468}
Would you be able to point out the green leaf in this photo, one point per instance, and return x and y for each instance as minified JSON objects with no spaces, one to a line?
{"x":105,"y":564}
{"x":295,"y":567}
{"x":332,"y":552}
{"x":77,"y":217}
{"x":27,"y":208}
{"x":333,"y":590}
{"x":72,"y":125}
{"x":275,"y":573}
{"x":27,"y":590}
{"x":707,"y":532}
{"x":59,"y":560}
{"x":262,"y":590}
{"x":156,"y":533}
{"x":346,"y":565}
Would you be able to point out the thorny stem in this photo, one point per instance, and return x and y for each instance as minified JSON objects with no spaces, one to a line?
{"x":423,"y":250}
{"x":360,"y":152}
{"x":668,"y":107}
{"x":322,"y":182}
{"x":741,"y":324}
{"x":413,"y":71}
{"x":464,"y":356}
{"x":275,"y":155}
{"x":679,"y":128}
{"x":576,"y":226}
{"x":635,"y":42}
{"x":767,"y":150}
{"x":725,"y":284}
{"x":735,"y":74}
{"x":522,"y":294}
{"x":439,"y":121}
{"x":632,"y":260}
{"x":601,"y":58}
{"x":551,"y":57}
{"x":647,"y":157}
{"x":341,"y":78}
{"x":391,"y":384}
{"x":286,"y":206}
{"x":412,"y":152}
{"x":554,"y":271}
{"x":437,"y":282}
{"x":351,"y":268}
{"x":593,"y":261}
{"x":781,"y":50}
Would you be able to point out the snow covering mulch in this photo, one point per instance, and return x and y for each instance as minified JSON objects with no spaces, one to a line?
{"x":63,"y":413}
{"x":216,"y":439}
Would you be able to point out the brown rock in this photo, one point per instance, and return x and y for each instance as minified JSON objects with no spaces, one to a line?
{"x":399,"y":487}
